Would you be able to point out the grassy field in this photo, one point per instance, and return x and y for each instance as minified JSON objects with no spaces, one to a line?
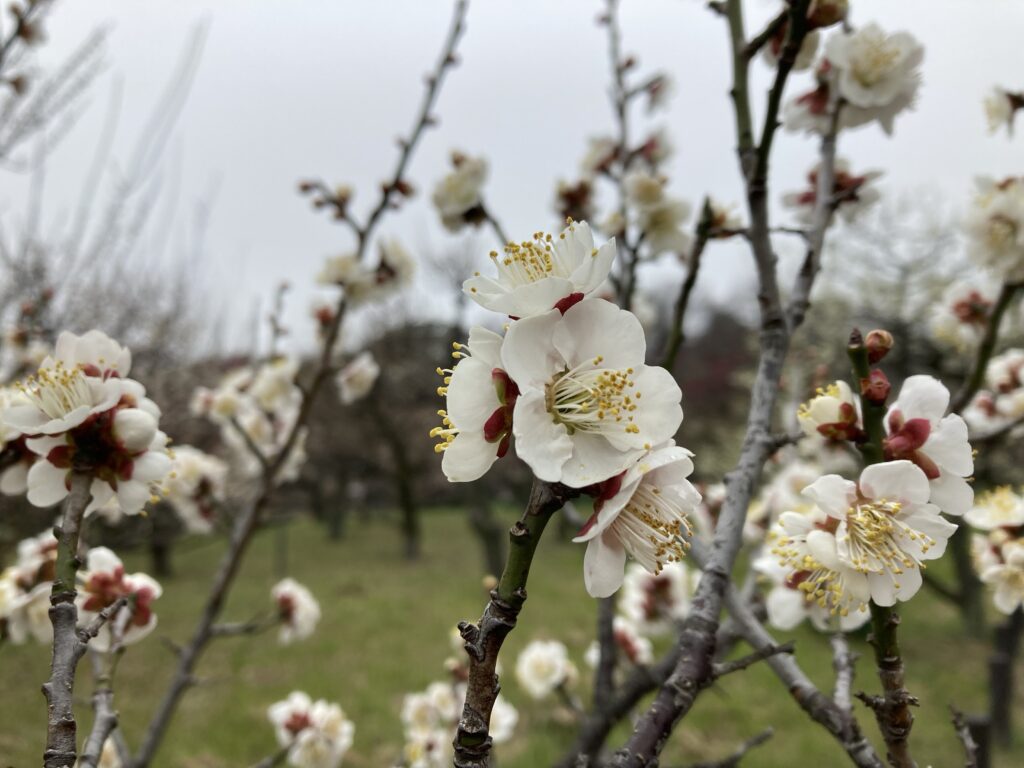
{"x":385,"y":632}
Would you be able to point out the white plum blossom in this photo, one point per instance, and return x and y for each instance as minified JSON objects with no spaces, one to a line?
{"x":854,"y":192}
{"x":832,"y":413}
{"x":876,"y":73}
{"x":194,"y":486}
{"x":458,"y":196}
{"x":393,"y":272}
{"x":317,"y":734}
{"x":102,"y":584}
{"x":788,"y":605}
{"x":18,"y":457}
{"x":357,"y":378}
{"x":298,"y":610}
{"x":428,"y":749}
{"x":994,"y":226}
{"x":918,"y":429}
{"x":588,"y":405}
{"x":538,"y":275}
{"x":997,"y":508}
{"x":504,"y":718}
{"x":1006,"y":578}
{"x":959,"y":319}
{"x":601,"y":152}
{"x":643,"y":514}
{"x":632,"y":647}
{"x":660,"y":217}
{"x":1004,"y":375}
{"x":80,"y":413}
{"x":480,"y":397}
{"x":1001,"y":106}
{"x":877,"y":537}
{"x":542,"y":666}
{"x":656,"y":603}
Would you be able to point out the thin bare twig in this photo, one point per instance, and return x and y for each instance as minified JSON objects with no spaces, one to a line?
{"x":734,"y":759}
{"x":963,"y":732}
{"x":737,"y":665}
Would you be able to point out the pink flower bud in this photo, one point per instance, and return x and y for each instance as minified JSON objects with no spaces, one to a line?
{"x":875,"y":388}
{"x":879,"y":343}
{"x":134,"y":429}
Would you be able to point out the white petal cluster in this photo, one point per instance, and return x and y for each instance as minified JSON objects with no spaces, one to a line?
{"x":257,"y":405}
{"x":101,"y":584}
{"x":877,"y":73}
{"x":535,"y":276}
{"x":298,"y":610}
{"x":317,"y":734}
{"x":656,"y":603}
{"x":994,"y":226}
{"x":996,"y":508}
{"x":918,"y":430}
{"x":458,"y":196}
{"x":1001,"y":106}
{"x":789,"y":605}
{"x":195,"y":486}
{"x":543,"y":666}
{"x":660,"y":217}
{"x":647,"y":518}
{"x":832,"y":413}
{"x":998,"y":551}
{"x":357,"y":378}
{"x":855,"y":193}
{"x":80,"y":412}
{"x":25,"y":591}
{"x":364,"y":283}
{"x":865,"y":541}
{"x":958,"y":320}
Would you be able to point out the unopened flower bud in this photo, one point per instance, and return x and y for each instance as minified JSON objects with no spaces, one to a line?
{"x":134,"y":429}
{"x":879,"y":343}
{"x":875,"y":388}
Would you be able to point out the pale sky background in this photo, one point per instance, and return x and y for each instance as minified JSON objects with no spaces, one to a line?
{"x":288,"y":89}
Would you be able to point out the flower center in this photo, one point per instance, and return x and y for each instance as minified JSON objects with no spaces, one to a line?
{"x":592,"y":399}
{"x":874,"y":60}
{"x":1002,"y":505}
{"x":653,"y":528}
{"x":878,"y":541}
{"x":58,"y":391}
{"x":532,"y":260}
{"x":1002,"y":232}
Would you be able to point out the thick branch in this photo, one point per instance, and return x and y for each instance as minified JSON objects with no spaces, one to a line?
{"x":483,"y":641}
{"x":604,"y":675}
{"x":68,"y":648}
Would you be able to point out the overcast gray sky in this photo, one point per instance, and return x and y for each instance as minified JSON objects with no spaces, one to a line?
{"x":288,"y":89}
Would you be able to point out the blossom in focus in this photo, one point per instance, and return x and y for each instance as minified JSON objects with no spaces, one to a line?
{"x":994,"y":226}
{"x":918,"y":429}
{"x":357,"y":378}
{"x":542,"y":666}
{"x":877,"y":72}
{"x":644,"y":514}
{"x":1001,"y":106}
{"x":656,"y":603}
{"x":854,"y":193}
{"x":458,"y":196}
{"x":317,"y":734}
{"x":997,"y":508}
{"x":788,"y":605}
{"x":832,"y":413}
{"x":102,"y":583}
{"x":479,"y":399}
{"x":298,"y":610}
{"x":588,"y":405}
{"x":538,"y":275}
{"x":877,"y":535}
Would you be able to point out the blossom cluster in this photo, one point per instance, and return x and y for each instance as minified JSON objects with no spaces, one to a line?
{"x":25,"y":596}
{"x":998,"y":546}
{"x":316,"y":734}
{"x":1001,"y":402}
{"x":430,"y":717}
{"x":79,"y":412}
{"x":568,"y":382}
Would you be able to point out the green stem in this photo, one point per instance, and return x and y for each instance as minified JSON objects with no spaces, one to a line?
{"x":985,"y":349}
{"x":892,"y":710}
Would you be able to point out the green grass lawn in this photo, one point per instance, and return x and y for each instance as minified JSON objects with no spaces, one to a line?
{"x":385,"y":632}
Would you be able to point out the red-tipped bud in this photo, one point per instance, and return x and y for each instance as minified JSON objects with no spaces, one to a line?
{"x":875,"y":388}
{"x":879,"y":343}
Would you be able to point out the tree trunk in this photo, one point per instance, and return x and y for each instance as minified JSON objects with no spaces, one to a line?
{"x":1001,"y":670}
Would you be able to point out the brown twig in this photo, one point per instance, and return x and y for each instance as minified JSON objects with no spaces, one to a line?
{"x":106,"y":717}
{"x":246,"y":523}
{"x":676,"y":333}
{"x":68,"y":646}
{"x":604,"y":675}
{"x":734,"y":759}
{"x":484,"y":639}
{"x":737,"y":665}
{"x":963,"y":732}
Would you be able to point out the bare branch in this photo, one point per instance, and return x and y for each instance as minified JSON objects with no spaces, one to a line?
{"x":734,"y":759}
{"x":676,"y":334}
{"x":964,"y":734}
{"x":844,"y":664}
{"x":737,"y":665}
{"x":105,"y":718}
{"x":604,"y":675}
{"x":985,"y":348}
